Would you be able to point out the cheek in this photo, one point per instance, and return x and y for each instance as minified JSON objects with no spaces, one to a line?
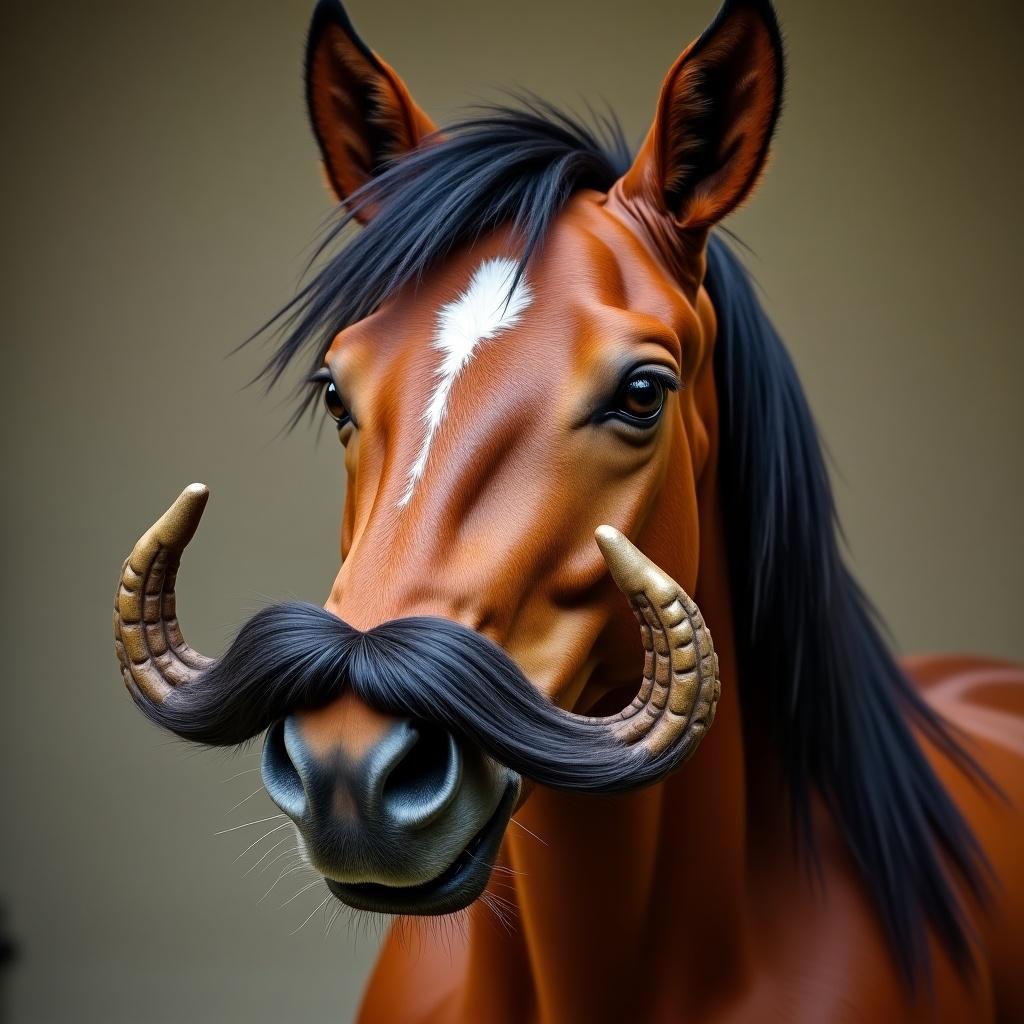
{"x":649,"y":494}
{"x":598,"y":479}
{"x":351,"y":494}
{"x":616,"y":480}
{"x":670,"y":534}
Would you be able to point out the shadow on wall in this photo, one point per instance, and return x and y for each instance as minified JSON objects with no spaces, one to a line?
{"x":7,"y":958}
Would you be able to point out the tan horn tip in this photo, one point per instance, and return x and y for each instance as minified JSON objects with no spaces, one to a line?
{"x":177,"y":526}
{"x":194,"y":494}
{"x":607,"y":536}
{"x":628,"y":565}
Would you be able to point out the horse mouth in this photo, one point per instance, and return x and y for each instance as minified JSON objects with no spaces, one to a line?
{"x":462,"y":882}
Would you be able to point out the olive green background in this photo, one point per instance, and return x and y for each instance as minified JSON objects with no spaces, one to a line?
{"x":160,"y":192}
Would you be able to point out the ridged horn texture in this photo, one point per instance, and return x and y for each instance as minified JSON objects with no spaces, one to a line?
{"x":152,"y":652}
{"x":679,"y":693}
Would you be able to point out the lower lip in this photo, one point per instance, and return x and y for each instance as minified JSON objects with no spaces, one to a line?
{"x":454,"y":889}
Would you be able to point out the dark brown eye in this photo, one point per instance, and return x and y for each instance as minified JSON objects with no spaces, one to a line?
{"x":641,"y":399}
{"x":334,"y":405}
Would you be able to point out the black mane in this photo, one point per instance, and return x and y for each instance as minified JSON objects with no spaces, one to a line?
{"x":816,"y":671}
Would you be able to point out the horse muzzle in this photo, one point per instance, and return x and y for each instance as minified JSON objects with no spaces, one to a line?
{"x":407,"y":820}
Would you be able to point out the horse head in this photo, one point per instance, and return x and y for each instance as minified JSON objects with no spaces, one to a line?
{"x":516,"y":355}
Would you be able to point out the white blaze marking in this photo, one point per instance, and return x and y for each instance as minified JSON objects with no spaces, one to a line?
{"x":483,"y":310}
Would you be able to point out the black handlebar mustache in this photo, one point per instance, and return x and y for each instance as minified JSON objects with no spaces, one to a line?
{"x":293,"y":656}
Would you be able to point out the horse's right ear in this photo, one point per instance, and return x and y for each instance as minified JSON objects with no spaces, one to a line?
{"x":361,"y":112}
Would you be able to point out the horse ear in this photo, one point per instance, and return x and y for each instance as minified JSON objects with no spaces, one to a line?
{"x":716,"y":115}
{"x":361,"y":112}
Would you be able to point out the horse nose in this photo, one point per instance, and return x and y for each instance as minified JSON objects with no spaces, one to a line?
{"x":400,"y":783}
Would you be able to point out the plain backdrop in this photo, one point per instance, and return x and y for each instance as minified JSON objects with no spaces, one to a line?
{"x":160,"y":194}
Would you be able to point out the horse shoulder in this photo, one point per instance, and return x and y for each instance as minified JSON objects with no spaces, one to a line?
{"x":983,"y":699}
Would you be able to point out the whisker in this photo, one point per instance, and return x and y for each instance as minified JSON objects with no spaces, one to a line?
{"x":310,"y":918}
{"x":527,"y":831}
{"x":284,"y":824}
{"x":497,"y":868}
{"x":305,"y":888}
{"x":504,"y":869}
{"x":490,"y":902}
{"x":334,"y":917}
{"x":500,"y":899}
{"x":283,"y":853}
{"x":503,"y":901}
{"x":496,"y":913}
{"x":286,"y":870}
{"x":510,"y":910}
{"x":256,"y":842}
{"x":258,"y":821}
{"x":238,"y":775}
{"x":244,"y":800}
{"x":265,"y":856}
{"x":502,"y":885}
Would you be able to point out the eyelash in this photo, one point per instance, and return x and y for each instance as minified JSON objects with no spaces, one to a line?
{"x":665,"y":376}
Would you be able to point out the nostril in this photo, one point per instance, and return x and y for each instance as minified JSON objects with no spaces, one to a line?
{"x":422,"y":769}
{"x":280,"y":775}
{"x":424,"y":781}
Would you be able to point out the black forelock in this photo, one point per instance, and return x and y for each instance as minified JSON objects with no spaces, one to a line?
{"x":507,"y":165}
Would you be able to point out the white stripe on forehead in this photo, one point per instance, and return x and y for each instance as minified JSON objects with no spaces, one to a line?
{"x":483,"y":310}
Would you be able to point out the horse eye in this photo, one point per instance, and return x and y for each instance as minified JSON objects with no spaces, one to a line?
{"x":334,"y":405}
{"x":641,"y":399}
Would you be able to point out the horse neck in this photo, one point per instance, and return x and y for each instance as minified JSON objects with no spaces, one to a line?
{"x":645,"y":891}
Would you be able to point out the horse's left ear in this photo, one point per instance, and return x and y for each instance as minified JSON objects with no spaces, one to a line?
{"x":716,"y":114}
{"x":361,"y":111}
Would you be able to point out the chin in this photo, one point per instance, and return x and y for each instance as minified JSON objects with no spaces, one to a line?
{"x":454,"y":889}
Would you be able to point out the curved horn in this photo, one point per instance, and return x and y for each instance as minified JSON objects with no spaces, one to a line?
{"x":147,"y":639}
{"x":676,"y":703}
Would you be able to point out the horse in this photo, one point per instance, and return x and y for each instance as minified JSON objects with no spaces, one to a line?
{"x":529,"y":339}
